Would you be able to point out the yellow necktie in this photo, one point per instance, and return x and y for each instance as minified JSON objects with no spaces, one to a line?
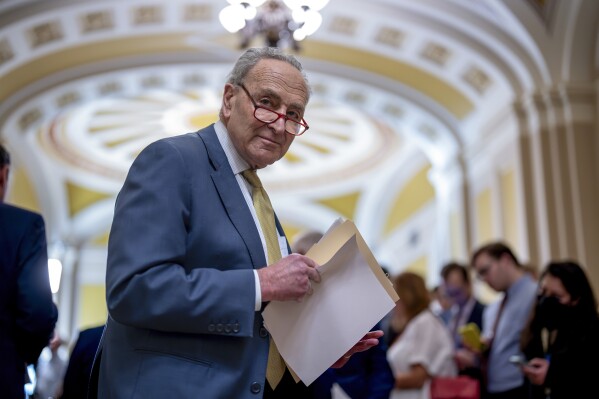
{"x":266,"y":216}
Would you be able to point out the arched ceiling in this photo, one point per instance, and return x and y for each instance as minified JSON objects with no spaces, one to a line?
{"x":85,"y":85}
{"x":452,"y":57}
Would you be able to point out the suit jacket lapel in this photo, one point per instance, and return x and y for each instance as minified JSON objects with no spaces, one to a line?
{"x":282,"y":232}
{"x":232,"y":197}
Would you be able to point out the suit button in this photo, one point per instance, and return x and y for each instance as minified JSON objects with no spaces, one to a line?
{"x":227,"y":328}
{"x":211,"y":327}
{"x":263,"y":332}
{"x":219,"y":327}
{"x":236,"y":327}
{"x":255,"y":387}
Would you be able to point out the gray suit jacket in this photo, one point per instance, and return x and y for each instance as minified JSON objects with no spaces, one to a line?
{"x":180,"y":283}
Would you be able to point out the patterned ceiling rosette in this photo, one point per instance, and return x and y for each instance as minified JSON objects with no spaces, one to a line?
{"x":102,"y":137}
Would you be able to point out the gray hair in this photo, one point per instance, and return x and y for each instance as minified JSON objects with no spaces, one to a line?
{"x":252,"y":56}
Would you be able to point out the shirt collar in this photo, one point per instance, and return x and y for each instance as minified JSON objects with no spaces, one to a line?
{"x":518,"y":284}
{"x":237,"y":163}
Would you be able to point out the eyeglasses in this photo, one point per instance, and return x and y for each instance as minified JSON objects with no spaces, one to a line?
{"x":267,"y":115}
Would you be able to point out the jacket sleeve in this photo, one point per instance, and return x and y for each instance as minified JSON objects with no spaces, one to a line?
{"x":152,"y":281}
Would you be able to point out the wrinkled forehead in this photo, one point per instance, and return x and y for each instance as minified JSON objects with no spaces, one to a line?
{"x":278,"y":76}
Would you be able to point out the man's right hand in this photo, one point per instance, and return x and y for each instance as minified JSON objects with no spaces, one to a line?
{"x":288,"y":279}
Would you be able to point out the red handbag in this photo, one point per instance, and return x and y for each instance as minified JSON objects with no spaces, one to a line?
{"x":460,"y":387}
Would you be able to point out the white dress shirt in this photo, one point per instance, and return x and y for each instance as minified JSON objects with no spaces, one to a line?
{"x":238,"y":165}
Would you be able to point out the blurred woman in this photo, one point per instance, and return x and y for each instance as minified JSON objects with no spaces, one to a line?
{"x":425,"y":347}
{"x":561,"y":340}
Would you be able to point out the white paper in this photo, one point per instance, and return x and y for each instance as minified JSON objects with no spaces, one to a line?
{"x":313,"y":334}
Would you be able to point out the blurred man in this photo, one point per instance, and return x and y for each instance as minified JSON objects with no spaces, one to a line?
{"x":77,"y":376}
{"x":504,"y":320}
{"x":27,"y":313}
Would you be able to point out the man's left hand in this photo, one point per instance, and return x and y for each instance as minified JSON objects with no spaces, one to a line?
{"x":368,"y":341}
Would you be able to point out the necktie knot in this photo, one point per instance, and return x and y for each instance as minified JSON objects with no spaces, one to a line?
{"x":252,"y":177}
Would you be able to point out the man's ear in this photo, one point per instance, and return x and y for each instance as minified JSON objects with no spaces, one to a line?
{"x":228,"y":100}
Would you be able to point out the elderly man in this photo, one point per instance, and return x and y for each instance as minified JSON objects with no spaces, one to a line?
{"x":193,"y":232}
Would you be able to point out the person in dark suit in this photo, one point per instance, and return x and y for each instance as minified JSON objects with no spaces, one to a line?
{"x":76,"y":379}
{"x":191,"y":236}
{"x":366,"y":375}
{"x":27,"y":313}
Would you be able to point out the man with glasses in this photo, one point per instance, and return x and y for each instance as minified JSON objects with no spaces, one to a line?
{"x":504,"y":320}
{"x":192,"y":233}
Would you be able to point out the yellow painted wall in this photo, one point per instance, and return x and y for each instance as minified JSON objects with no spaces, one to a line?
{"x":344,"y":204}
{"x":417,"y":192}
{"x":291,"y":231}
{"x":456,"y":239}
{"x":509,"y":211}
{"x":80,"y":197}
{"x":21,"y":191}
{"x":92,"y":310}
{"x":419,"y":266}
{"x":484,"y":217}
{"x":101,"y":240}
{"x":451,"y":98}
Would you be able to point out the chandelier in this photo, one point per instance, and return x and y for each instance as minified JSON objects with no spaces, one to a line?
{"x":282,"y":23}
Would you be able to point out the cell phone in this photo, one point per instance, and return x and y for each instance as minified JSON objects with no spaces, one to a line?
{"x":518,"y":360}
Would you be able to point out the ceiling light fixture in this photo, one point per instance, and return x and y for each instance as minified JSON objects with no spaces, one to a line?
{"x":282,"y":23}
